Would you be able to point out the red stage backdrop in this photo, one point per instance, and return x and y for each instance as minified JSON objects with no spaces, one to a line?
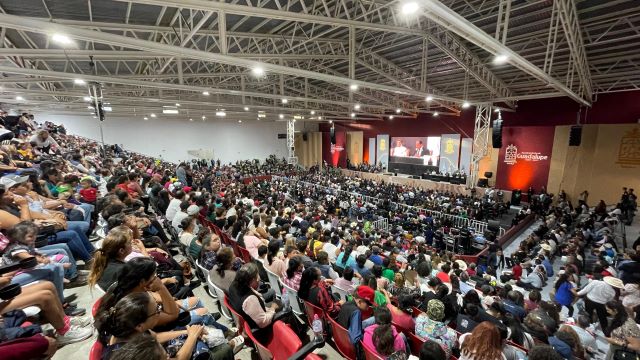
{"x":525,"y":157}
{"x":335,"y":155}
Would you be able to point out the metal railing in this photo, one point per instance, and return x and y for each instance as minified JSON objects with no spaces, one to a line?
{"x":382,"y":224}
{"x":455,"y":220}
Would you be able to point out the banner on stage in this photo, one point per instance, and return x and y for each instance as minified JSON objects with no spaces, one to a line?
{"x":382,"y":150}
{"x":525,"y":158}
{"x":449,"y":153}
{"x":466,"y":147}
{"x":372,"y":151}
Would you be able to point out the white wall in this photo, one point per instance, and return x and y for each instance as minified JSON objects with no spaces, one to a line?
{"x":170,"y":139}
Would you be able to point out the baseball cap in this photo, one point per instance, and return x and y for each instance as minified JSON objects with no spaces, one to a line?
{"x":12,"y":180}
{"x":193,"y":210}
{"x":365,"y":293}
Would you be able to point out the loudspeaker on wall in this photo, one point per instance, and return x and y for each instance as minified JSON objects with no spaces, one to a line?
{"x":497,"y":134}
{"x":304,"y":136}
{"x":575,"y":135}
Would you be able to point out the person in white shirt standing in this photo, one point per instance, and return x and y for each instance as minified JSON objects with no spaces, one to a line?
{"x":596,"y":294}
{"x":174,"y":205}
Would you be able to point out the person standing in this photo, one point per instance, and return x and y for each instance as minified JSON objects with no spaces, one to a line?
{"x":596,"y":295}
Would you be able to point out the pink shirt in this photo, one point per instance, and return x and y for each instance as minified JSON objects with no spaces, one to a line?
{"x":252,"y":243}
{"x":401,"y":318}
{"x":398,"y":342}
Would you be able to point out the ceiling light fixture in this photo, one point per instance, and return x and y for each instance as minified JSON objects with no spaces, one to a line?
{"x":330,"y":121}
{"x":356,"y":106}
{"x":312,"y":112}
{"x":281,"y":116}
{"x":409,"y":8}
{"x":19,"y":98}
{"x":203,"y":117}
{"x":62,"y":39}
{"x":190,"y":119}
{"x":353,"y":115}
{"x":435,"y":113}
{"x":246,"y":108}
{"x":319,"y":117}
{"x":178,"y":105}
{"x":108,"y":108}
{"x":465,"y":105}
{"x":398,"y":111}
{"x":257,"y":71}
{"x":221,"y":113}
{"x":205,"y":93}
{"x":153,"y":115}
{"x":390,"y":117}
{"x":240,"y":121}
{"x":145,"y":118}
{"x":170,"y":111}
{"x":429,"y":98}
{"x":353,"y":87}
{"x":285,"y":101}
{"x":500,"y":59}
{"x":79,"y":82}
{"x":86,"y":98}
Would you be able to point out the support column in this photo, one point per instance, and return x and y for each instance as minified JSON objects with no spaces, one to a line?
{"x":481,"y":131}
{"x":291,"y":144}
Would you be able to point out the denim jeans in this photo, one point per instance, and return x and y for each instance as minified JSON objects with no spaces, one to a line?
{"x":49,"y":272}
{"x":81,"y":249}
{"x":62,"y":249}
{"x":88,"y":210}
{"x":206,"y":319}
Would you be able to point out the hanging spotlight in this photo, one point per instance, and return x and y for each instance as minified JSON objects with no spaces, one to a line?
{"x":246,"y":108}
{"x":153,"y":115}
{"x":86,"y":98}
{"x":257,"y":71}
{"x":398,"y":111}
{"x":240,"y":121}
{"x":281,"y":116}
{"x":500,"y":59}
{"x":205,"y":93}
{"x":435,"y":113}
{"x":429,"y":98}
{"x":353,"y":115}
{"x":190,"y":119}
{"x":285,"y":101}
{"x":203,"y":117}
{"x":145,"y":118}
{"x":79,"y":82}
{"x":62,"y":39}
{"x":465,"y":105}
{"x":356,"y":107}
{"x":409,"y":8}
{"x":177,"y":105}
{"x":312,"y":112}
{"x":390,"y":117}
{"x":221,"y":114}
{"x":353,"y":87}
{"x":19,"y":98}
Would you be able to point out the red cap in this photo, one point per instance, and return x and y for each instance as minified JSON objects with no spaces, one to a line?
{"x":365,"y":293}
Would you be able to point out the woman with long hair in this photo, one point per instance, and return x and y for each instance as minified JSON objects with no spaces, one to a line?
{"x":382,"y":338}
{"x":222,"y":274}
{"x":139,"y":313}
{"x":345,"y":259}
{"x":565,"y":292}
{"x":621,"y":328}
{"x":108,"y":261}
{"x":314,"y":290}
{"x":293,"y":274}
{"x":195,"y":248}
{"x":483,"y":343}
{"x":188,"y":226}
{"x":274,"y":263}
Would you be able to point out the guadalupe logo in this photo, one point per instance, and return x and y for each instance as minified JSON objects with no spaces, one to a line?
{"x":336,"y":148}
{"x":629,"y":150}
{"x":511,"y":155}
{"x":449,"y":146}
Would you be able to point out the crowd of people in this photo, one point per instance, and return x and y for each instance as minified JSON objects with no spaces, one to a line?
{"x":141,"y":230}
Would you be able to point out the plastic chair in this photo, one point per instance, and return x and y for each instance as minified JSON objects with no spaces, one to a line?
{"x":263,"y":351}
{"x":342,"y":340}
{"x":341,"y":292}
{"x":95,"y":307}
{"x":415,"y":343}
{"x":370,"y":354}
{"x":312,"y":310}
{"x":220,"y":295}
{"x":96,"y":351}
{"x":237,"y":318}
{"x":245,"y":255}
{"x":284,"y":344}
{"x":205,"y":276}
{"x":294,"y":301}
{"x":274,"y":281}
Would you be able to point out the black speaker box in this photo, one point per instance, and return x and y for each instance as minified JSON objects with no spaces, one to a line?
{"x":483,"y":182}
{"x":496,"y":134}
{"x":575,"y":135}
{"x":488,"y":174}
{"x":493,"y":225}
{"x":332,"y":134}
{"x":304,"y":136}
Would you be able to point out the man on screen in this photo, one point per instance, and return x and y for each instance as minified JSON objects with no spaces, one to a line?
{"x":420,"y":150}
{"x":399,"y":149}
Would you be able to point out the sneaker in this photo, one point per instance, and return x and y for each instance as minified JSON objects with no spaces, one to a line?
{"x":81,"y":321}
{"x":74,"y":311}
{"x":75,"y":334}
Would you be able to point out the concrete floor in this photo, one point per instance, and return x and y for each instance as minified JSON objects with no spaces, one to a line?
{"x":86,"y":299}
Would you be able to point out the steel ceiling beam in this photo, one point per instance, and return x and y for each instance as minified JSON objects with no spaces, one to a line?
{"x":17,"y":22}
{"x":441,"y":14}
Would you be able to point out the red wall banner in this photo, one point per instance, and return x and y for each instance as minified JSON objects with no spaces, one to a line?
{"x":335,"y":155}
{"x":525,"y":157}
